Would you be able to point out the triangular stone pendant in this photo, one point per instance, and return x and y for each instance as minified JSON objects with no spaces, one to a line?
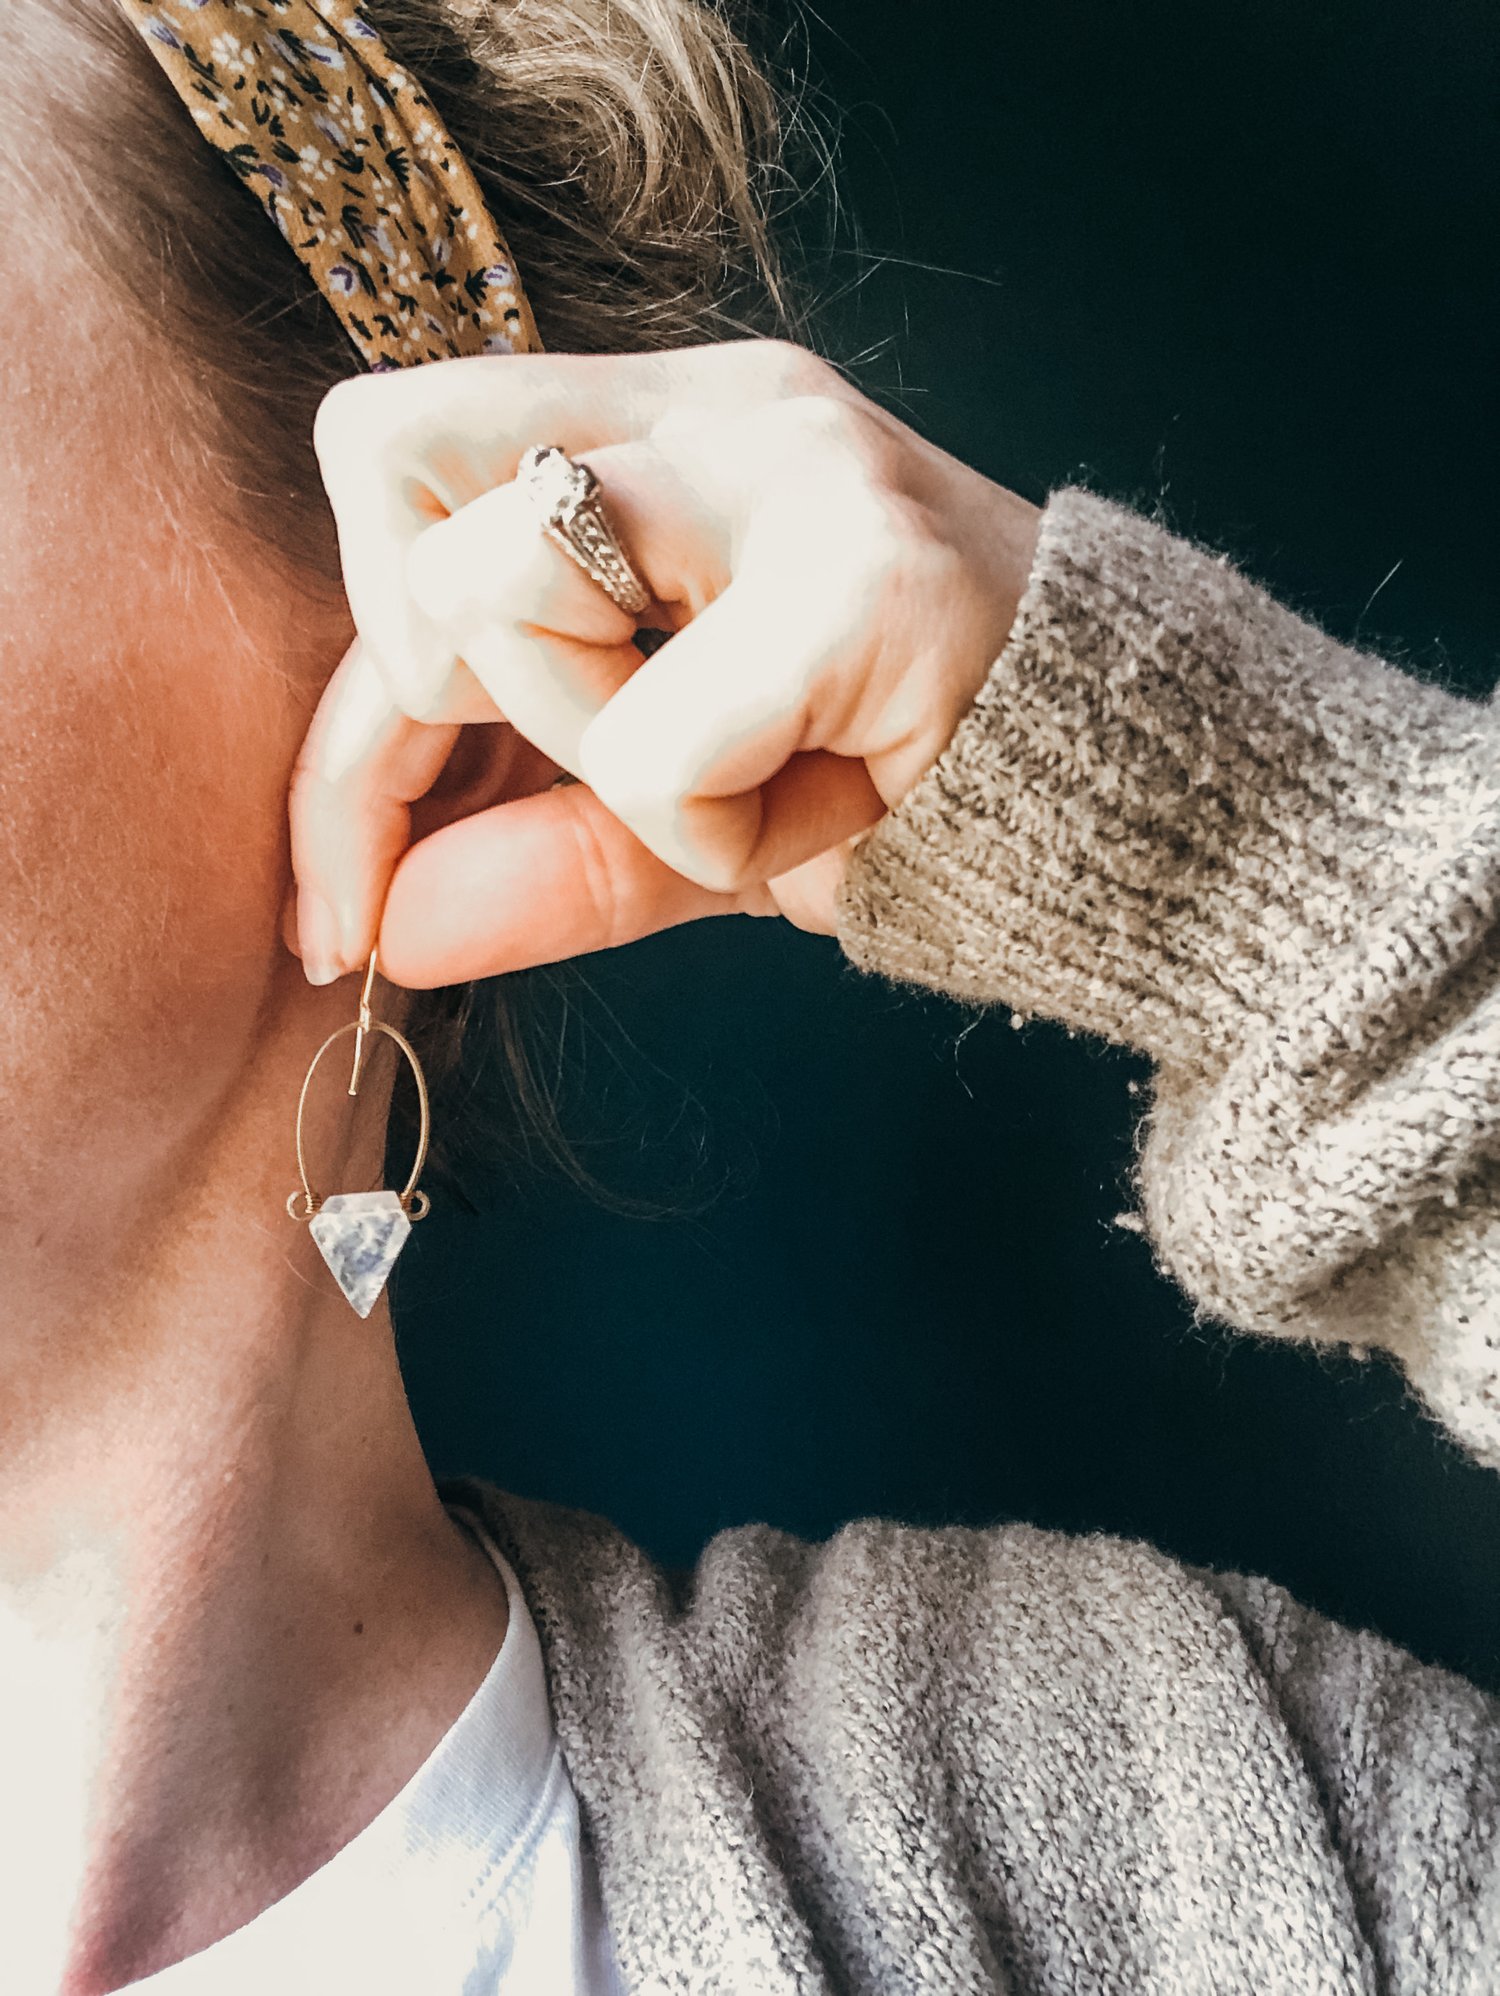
{"x":359,"y":1235}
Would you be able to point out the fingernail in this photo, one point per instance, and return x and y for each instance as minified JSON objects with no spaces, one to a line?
{"x":319,"y":932}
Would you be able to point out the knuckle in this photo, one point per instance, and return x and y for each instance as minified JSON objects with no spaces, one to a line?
{"x":648,"y":805}
{"x":624,"y":797}
{"x":943,"y":572}
{"x":603,"y":886}
{"x":892,"y":544}
{"x":610,"y":762}
{"x":340,"y":420}
{"x":880,"y":537}
{"x":725,"y":876}
{"x":769,"y":371}
{"x":794,"y":370}
{"x":314,"y":805}
{"x":421,"y":688}
{"x":642,"y":788}
{"x":908,"y":534}
{"x":848,"y":434}
{"x":827,"y":418}
{"x":428,"y":703}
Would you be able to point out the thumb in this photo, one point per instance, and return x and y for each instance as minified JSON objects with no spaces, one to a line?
{"x":531,"y":881}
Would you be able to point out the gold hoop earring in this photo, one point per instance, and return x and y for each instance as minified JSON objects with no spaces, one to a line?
{"x":360,"y":1234}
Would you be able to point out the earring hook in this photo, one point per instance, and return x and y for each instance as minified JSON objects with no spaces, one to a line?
{"x":365,"y":1024}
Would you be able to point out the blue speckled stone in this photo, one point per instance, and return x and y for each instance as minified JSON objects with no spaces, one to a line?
{"x":359,"y":1235}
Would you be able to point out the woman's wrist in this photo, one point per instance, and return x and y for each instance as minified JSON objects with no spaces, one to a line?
{"x":1007,"y":529}
{"x":1168,"y":796}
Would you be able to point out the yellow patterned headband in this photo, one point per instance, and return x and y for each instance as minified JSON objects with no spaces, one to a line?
{"x":352,"y":163}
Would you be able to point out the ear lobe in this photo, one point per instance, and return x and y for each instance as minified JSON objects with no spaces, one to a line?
{"x":490,"y":763}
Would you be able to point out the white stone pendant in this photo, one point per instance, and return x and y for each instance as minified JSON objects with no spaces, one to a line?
{"x":359,"y":1235}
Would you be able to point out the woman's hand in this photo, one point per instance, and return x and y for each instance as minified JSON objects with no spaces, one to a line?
{"x":837,"y":589}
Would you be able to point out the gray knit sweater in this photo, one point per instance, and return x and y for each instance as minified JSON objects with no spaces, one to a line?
{"x":1009,"y":1760}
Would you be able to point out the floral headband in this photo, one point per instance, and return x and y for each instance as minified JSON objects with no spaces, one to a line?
{"x":352,"y":163}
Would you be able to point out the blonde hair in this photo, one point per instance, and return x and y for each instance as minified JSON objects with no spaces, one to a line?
{"x":642,"y":162}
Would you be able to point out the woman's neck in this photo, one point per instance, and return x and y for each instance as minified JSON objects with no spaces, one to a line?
{"x":234,"y":1616}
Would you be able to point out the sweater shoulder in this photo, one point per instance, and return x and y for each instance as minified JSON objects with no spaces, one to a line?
{"x":1010,"y":1736}
{"x":967,"y":1598}
{"x":882,"y":1612}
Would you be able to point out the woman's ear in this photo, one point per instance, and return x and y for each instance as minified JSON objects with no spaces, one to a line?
{"x":490,"y":764}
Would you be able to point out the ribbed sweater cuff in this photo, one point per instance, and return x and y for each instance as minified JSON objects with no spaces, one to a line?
{"x":1168,"y":797}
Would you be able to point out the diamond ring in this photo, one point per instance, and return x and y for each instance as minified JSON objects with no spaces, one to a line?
{"x":567,"y":498}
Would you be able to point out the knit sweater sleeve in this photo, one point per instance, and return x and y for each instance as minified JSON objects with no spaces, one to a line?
{"x":1181,"y":818}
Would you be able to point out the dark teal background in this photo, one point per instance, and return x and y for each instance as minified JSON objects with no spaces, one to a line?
{"x":1236,"y":262}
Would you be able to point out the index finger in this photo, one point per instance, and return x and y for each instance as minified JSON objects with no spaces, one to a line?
{"x":400,"y":451}
{"x":362,"y":764}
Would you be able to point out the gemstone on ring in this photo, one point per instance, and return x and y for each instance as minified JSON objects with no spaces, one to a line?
{"x":555,"y":482}
{"x":571,"y":507}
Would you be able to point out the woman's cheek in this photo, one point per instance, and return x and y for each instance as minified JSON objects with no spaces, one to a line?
{"x":146,"y":739}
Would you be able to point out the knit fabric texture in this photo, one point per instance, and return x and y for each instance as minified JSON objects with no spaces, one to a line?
{"x":960,"y":1761}
{"x":1006,"y":1760}
{"x":1182,"y":819}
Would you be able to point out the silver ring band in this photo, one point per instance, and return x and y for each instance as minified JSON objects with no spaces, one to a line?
{"x":571,"y":509}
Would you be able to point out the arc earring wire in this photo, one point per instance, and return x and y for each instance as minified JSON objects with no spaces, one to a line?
{"x":360,"y":1234}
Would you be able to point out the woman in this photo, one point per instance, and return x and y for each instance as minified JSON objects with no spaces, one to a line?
{"x":280,"y":1713}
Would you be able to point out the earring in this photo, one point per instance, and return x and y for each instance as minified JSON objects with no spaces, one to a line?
{"x":360,"y":1234}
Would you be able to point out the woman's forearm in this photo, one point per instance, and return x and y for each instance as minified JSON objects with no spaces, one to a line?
{"x":1184,"y":819}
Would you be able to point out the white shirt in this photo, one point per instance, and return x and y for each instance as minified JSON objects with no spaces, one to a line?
{"x":471,"y":1882}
